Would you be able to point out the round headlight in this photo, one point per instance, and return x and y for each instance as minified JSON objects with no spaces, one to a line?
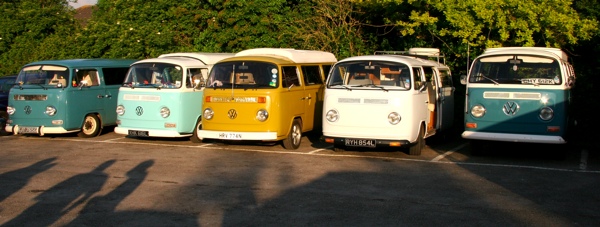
{"x":10,"y":110}
{"x":262,"y":115}
{"x":478,"y":111}
{"x":165,"y":112}
{"x":546,"y":113}
{"x":208,"y":113}
{"x":50,"y":110}
{"x":120,"y":110}
{"x":332,"y":116}
{"x":394,"y":118}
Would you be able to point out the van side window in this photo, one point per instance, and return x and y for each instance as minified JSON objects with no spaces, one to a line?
{"x":429,"y":74}
{"x":417,"y":78}
{"x":290,"y":76}
{"x":326,"y":69}
{"x":446,"y":78}
{"x":114,"y":76}
{"x":195,"y":77}
{"x":86,"y":77}
{"x":312,"y":75}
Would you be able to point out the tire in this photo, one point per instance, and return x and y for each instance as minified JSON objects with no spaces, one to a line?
{"x":338,"y":149}
{"x":415,"y":149}
{"x":477,"y":147}
{"x":292,"y":141}
{"x":195,"y":138}
{"x":3,"y":119}
{"x":91,"y":126}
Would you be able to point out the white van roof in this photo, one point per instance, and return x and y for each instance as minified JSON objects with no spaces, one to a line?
{"x":206,"y":58}
{"x":543,"y":51}
{"x":297,"y":56}
{"x":181,"y":61}
{"x":409,"y":60}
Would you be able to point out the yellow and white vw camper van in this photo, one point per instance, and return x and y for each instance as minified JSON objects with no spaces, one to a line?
{"x":265,"y":94}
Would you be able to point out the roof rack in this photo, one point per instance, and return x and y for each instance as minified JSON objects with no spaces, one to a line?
{"x":419,"y":52}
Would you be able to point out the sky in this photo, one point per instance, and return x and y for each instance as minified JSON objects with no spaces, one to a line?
{"x":82,"y":3}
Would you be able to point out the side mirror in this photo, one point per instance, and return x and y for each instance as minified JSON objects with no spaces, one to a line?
{"x":571,"y":81}
{"x":463,"y":79}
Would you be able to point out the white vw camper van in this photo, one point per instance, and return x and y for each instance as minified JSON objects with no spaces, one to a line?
{"x":390,"y":99}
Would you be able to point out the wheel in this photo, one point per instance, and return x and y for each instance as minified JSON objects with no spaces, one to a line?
{"x":292,"y":141}
{"x":338,"y":149}
{"x":416,"y":148}
{"x":91,"y":126}
{"x":195,"y":138}
{"x":3,"y":119}
{"x":477,"y":147}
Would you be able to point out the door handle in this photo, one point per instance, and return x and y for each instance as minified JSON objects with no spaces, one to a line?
{"x":107,"y":96}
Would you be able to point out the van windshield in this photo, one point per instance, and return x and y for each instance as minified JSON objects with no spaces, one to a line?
{"x":154,"y":75}
{"x":370,"y":73}
{"x":244,"y":74}
{"x":55,"y":76}
{"x":516,"y":69}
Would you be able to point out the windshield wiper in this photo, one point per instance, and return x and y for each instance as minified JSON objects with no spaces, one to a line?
{"x":490,"y":79}
{"x":375,"y":86}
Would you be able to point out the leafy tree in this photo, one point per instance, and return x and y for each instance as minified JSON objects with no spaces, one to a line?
{"x":26,"y":26}
{"x":140,"y":29}
{"x":237,"y":25}
{"x":329,"y":25}
{"x":457,"y":26}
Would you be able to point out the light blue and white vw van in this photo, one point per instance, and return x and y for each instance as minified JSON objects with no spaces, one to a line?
{"x":64,"y":96}
{"x":162,"y":97}
{"x":518,"y":94}
{"x":391,"y":99}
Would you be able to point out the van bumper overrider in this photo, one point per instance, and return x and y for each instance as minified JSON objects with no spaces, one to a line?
{"x":41,"y":130}
{"x":224,"y":135}
{"x":511,"y":137}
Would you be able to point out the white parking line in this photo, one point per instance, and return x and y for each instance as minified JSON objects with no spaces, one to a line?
{"x":440,"y":157}
{"x":113,"y":139}
{"x":317,"y":150}
{"x":314,"y":153}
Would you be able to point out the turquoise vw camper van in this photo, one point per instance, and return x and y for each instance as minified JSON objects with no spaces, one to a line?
{"x":518,"y":94}
{"x":64,"y":96}
{"x":161,"y":97}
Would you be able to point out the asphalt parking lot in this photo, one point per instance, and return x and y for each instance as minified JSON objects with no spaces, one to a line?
{"x":113,"y":180}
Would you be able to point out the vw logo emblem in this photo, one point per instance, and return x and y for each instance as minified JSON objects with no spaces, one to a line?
{"x":232,"y":114}
{"x":139,"y":111}
{"x":510,"y":108}
{"x":27,"y":110}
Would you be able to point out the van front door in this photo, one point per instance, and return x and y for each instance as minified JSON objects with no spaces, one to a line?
{"x":313,"y":96}
{"x":433,"y":104}
{"x":292,"y":98}
{"x":88,"y":96}
{"x":446,"y":100}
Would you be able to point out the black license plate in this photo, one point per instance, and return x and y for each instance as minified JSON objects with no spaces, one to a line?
{"x":138,"y":133}
{"x":360,"y":143}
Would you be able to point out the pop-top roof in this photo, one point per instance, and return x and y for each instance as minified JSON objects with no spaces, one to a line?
{"x":206,"y":58}
{"x":297,"y":56}
{"x":528,"y":50}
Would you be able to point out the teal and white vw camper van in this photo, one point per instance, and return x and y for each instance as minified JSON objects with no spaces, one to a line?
{"x":518,"y":94}
{"x":162,"y":97}
{"x":64,"y":96}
